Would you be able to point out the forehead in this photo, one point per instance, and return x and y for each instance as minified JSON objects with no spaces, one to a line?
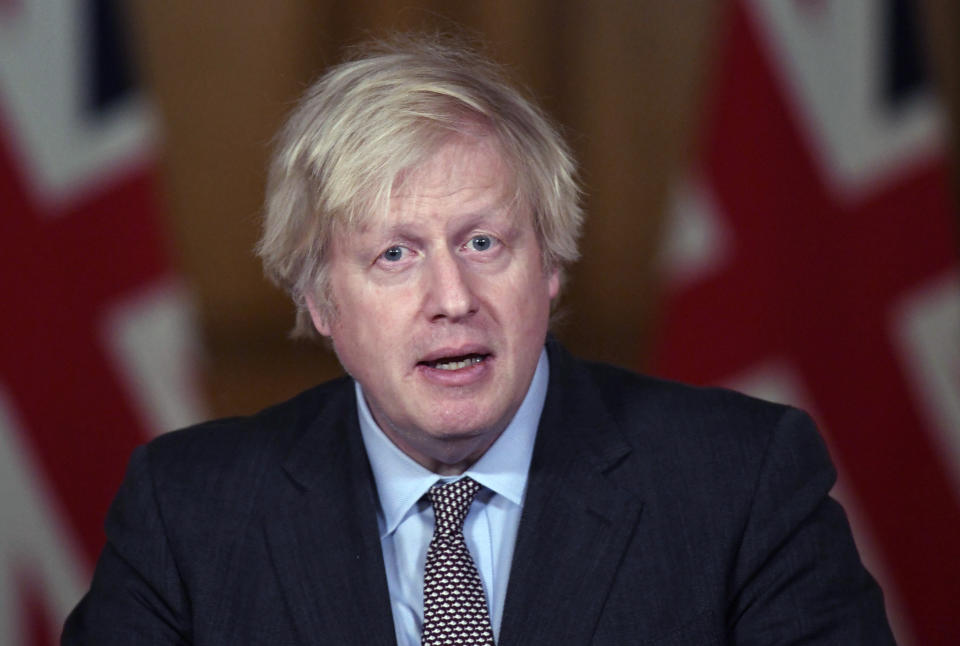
{"x":464,"y":174}
{"x":459,"y":163}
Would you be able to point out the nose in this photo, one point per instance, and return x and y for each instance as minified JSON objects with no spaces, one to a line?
{"x":450,"y":292}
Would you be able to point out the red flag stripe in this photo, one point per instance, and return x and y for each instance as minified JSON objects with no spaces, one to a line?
{"x":816,"y":280}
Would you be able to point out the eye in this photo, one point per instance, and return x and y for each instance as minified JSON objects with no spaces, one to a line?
{"x":393,"y":254}
{"x":481,"y":243}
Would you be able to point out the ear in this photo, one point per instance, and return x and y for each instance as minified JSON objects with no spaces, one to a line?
{"x":318,"y":315}
{"x":553,"y":284}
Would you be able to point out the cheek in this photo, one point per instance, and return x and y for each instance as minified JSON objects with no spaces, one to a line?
{"x":525,"y":302}
{"x":371,"y":318}
{"x":360,"y":346}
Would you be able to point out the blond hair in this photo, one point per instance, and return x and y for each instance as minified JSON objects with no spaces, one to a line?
{"x":380,"y":113}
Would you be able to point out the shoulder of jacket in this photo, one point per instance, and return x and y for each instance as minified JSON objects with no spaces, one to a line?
{"x":239,"y":445}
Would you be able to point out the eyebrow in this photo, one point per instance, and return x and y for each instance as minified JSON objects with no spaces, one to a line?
{"x":500,"y":213}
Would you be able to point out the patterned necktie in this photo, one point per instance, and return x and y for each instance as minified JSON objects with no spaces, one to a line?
{"x":454,"y":605}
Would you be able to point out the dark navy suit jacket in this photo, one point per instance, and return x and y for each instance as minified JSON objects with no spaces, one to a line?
{"x":655,"y":514}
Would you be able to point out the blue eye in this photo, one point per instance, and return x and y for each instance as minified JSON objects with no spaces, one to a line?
{"x":481,"y":243}
{"x":393,"y":254}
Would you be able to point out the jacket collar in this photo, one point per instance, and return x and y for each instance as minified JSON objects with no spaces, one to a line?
{"x":574,"y":529}
{"x":576,"y":522}
{"x":322,"y":533}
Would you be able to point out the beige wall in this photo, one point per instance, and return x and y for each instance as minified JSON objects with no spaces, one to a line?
{"x":625,"y":78}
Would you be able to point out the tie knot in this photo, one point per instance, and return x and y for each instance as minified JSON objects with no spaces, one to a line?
{"x":451,"y":502}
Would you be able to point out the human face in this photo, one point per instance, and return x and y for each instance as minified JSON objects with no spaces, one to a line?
{"x":440,"y":309}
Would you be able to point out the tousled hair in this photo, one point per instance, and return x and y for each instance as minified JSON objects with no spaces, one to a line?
{"x":380,"y":113}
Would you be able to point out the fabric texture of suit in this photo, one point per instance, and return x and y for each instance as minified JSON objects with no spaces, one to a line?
{"x":655,"y":514}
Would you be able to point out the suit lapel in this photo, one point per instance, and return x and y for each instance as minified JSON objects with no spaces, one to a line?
{"x":323,"y":536}
{"x":576,"y":523}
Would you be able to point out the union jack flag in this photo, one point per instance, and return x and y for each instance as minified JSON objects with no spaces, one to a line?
{"x":812,"y":259}
{"x":95,"y":355}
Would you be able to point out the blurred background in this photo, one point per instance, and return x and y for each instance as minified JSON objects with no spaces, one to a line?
{"x":771,"y":189}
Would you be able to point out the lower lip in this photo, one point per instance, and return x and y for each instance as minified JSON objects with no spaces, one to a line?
{"x":463,"y":377}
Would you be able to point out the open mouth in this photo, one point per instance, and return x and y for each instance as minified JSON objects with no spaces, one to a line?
{"x":455,"y":363}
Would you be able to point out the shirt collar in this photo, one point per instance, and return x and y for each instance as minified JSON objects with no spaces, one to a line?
{"x":503,"y":469}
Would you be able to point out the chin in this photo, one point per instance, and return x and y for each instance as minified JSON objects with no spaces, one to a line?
{"x":463,"y":422}
{"x":454,"y":432}
{"x":457,"y":451}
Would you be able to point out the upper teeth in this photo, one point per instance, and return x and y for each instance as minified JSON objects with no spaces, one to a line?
{"x":457,"y":365}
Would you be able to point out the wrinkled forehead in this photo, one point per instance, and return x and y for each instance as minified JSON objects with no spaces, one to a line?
{"x":461,"y":162}
{"x":470,"y":159}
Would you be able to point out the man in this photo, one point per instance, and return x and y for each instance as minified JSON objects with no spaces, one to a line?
{"x":470,"y":482}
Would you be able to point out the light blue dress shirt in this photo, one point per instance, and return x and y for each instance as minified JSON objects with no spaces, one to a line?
{"x":405,"y":517}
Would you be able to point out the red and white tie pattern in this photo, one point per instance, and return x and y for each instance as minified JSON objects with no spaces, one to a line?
{"x":454,"y":604}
